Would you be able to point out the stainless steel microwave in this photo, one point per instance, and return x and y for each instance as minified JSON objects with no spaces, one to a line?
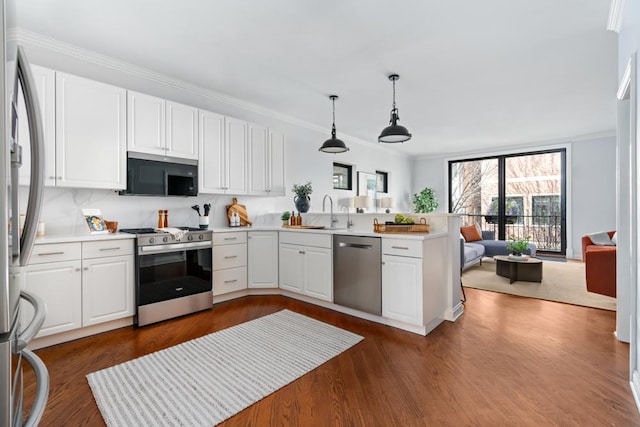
{"x":149,"y":175}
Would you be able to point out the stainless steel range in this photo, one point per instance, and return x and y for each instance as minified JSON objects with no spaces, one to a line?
{"x":173,"y":273}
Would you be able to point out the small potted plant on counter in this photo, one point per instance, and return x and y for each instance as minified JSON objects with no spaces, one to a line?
{"x":285,"y":218}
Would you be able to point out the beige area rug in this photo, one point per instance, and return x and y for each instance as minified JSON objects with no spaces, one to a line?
{"x":561,"y":281}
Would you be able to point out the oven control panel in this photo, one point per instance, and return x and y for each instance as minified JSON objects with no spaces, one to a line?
{"x":166,"y":238}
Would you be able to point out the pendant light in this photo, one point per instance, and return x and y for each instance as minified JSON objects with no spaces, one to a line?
{"x":394,"y":132}
{"x":333,"y":144}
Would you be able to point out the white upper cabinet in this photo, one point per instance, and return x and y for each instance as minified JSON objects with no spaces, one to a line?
{"x":212,"y":165}
{"x":145,"y":123}
{"x":276,"y":165}
{"x":45,"y":81}
{"x":258,"y":160}
{"x":182,"y":131}
{"x":161,"y":127}
{"x":90,"y":134}
{"x":236,"y":143}
{"x":265,"y":161}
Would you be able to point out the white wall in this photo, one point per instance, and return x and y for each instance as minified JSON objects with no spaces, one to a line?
{"x":591,"y":185}
{"x":303,"y":161}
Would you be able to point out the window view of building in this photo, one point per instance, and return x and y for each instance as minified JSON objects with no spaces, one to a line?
{"x":526,"y":189}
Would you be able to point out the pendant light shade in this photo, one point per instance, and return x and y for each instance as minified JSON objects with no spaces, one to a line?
{"x":333,"y":144}
{"x":394,"y":132}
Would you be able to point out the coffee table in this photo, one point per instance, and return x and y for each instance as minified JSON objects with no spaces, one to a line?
{"x":528,"y":270}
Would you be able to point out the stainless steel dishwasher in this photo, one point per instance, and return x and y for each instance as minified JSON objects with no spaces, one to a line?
{"x":357,"y":273}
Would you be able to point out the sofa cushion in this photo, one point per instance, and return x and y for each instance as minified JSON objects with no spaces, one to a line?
{"x":601,"y":239}
{"x":600,"y":248}
{"x":471,"y":233}
{"x":473,"y":251}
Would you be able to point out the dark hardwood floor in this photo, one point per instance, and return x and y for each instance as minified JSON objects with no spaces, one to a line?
{"x":507,"y":361}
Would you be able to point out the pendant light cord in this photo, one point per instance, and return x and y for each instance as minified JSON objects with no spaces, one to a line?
{"x":394,"y":110}
{"x":333,"y":127}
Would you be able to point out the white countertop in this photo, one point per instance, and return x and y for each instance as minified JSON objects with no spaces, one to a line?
{"x":82,"y":238}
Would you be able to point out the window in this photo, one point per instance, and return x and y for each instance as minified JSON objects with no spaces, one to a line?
{"x":513,"y":209}
{"x":382,"y":182}
{"x":545,"y":209}
{"x":342,"y":176}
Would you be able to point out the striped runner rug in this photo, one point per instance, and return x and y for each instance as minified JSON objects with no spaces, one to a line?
{"x":206,"y":380}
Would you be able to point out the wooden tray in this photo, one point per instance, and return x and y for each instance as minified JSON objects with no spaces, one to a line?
{"x":308,"y":227}
{"x":422,"y":227}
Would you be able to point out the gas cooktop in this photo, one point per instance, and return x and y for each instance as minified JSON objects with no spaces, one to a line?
{"x":153,"y":230}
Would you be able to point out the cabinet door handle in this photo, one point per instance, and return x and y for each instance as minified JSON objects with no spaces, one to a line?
{"x":179,"y":289}
{"x":382,"y":263}
{"x":51,"y":253}
{"x":231,"y":256}
{"x":400,"y":247}
{"x":110,"y":249}
{"x":86,"y":268}
{"x":78,"y":269}
{"x":230,"y":281}
{"x":301,"y":252}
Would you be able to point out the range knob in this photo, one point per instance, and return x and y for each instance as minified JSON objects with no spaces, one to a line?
{"x":165,"y":239}
{"x":201,"y":237}
{"x":152,"y":240}
{"x":189,"y":238}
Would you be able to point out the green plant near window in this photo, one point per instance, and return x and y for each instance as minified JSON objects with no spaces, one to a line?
{"x":302,"y":190}
{"x":425,"y":201}
{"x":518,"y":246}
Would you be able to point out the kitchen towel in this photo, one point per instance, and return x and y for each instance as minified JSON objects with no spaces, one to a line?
{"x":204,"y":381}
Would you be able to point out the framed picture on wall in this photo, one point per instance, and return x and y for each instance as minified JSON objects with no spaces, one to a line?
{"x":367,"y":184}
{"x":342,"y":176}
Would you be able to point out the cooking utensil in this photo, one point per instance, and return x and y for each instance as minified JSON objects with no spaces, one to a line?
{"x":207,"y":209}
{"x":197,"y":209}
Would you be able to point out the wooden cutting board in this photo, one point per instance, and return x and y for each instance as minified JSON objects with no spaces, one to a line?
{"x":241,"y":210}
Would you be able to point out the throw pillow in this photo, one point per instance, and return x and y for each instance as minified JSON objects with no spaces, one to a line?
{"x":614,"y":238}
{"x":601,"y":239}
{"x":471,"y":233}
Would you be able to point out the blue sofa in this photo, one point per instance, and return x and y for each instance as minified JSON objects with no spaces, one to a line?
{"x":472,"y":253}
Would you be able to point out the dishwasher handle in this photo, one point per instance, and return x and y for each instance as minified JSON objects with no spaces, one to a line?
{"x":354,"y":245}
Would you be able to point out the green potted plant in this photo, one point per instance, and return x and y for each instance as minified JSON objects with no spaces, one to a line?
{"x":285,"y":217}
{"x":518,"y":246}
{"x":301,"y":198}
{"x":425,"y":201}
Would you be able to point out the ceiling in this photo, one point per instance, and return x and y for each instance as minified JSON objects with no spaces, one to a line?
{"x":473,"y":75}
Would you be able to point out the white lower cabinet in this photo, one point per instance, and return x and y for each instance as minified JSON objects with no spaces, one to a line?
{"x":263,"y":259}
{"x":82,"y":284}
{"x":306,"y":264}
{"x":402,"y":288}
{"x":107,"y":281}
{"x":229,"y":262}
{"x":59,"y":284}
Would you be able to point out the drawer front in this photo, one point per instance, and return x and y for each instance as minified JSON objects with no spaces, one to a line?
{"x":402,"y":247}
{"x":105,"y":248}
{"x":55,"y":252}
{"x":229,"y":238}
{"x":306,"y":239}
{"x":230,"y":280}
{"x":229,"y":256}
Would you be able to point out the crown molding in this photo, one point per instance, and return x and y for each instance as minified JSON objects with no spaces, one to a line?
{"x":615,"y":15}
{"x":38,"y":40}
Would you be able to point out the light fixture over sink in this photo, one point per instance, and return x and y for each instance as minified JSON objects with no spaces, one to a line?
{"x":394,"y":132}
{"x":333,"y":144}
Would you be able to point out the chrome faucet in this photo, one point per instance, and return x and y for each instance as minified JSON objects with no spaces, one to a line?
{"x":349,"y":222}
{"x":333,"y":218}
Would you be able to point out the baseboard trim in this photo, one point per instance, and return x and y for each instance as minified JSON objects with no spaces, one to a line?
{"x":452,"y":314}
{"x":75,"y":334}
{"x":635,"y":388}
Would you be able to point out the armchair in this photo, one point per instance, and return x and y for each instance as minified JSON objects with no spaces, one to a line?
{"x":600,"y":266}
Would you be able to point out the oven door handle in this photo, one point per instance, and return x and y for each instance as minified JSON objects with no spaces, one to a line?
{"x":174,"y":247}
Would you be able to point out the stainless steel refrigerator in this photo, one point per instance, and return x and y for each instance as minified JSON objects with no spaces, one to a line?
{"x":16,"y":244}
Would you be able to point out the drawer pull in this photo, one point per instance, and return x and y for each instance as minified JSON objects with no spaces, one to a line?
{"x":230,"y":238}
{"x":231,"y":256}
{"x":230,"y":281}
{"x":51,"y":253}
{"x":179,"y":289}
{"x":400,"y":247}
{"x":110,"y":249}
